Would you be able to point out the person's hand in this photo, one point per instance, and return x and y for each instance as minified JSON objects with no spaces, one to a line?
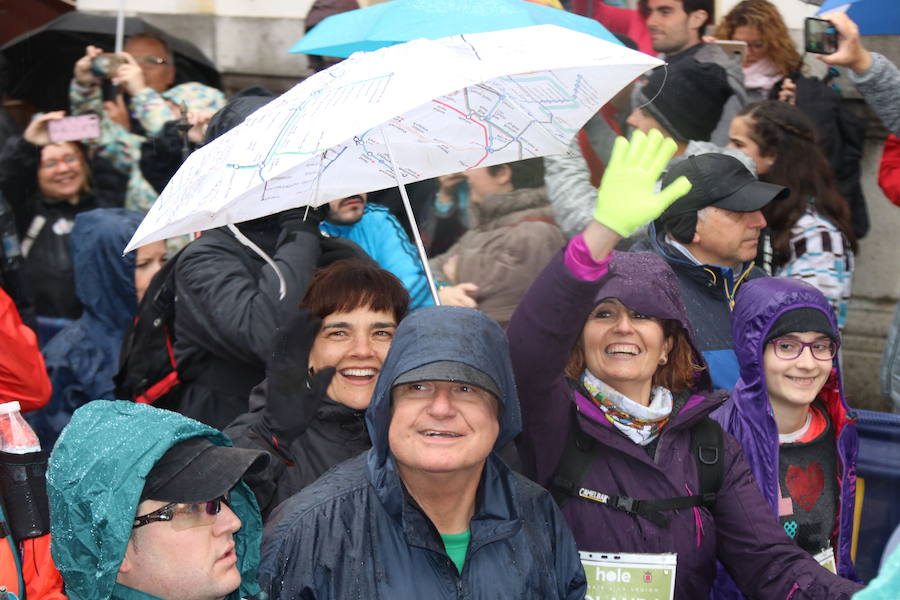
{"x":198,"y":121}
{"x":82,"y":72}
{"x":449,"y":268}
{"x":447,"y":185}
{"x":627,"y":199}
{"x":294,"y":391}
{"x":130,"y":75}
{"x":36,"y":133}
{"x":788,"y":92}
{"x":118,"y":112}
{"x":305,"y":218}
{"x":458,"y":295}
{"x":850,"y":52}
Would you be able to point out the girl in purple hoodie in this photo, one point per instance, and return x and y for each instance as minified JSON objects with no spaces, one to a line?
{"x":790,"y":416}
{"x":604,"y":355}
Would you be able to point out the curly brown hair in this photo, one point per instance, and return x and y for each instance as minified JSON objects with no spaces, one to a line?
{"x":677,"y":375}
{"x":764,"y":17}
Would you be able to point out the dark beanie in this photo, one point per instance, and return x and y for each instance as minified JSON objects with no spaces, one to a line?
{"x":690,"y":103}
{"x":799,"y":320}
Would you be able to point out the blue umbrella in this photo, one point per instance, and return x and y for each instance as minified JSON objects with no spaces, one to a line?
{"x":400,"y":21}
{"x":874,"y":17}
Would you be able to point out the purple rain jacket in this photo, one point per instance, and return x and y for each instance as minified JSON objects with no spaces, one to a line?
{"x":748,"y":415}
{"x":741,"y":531}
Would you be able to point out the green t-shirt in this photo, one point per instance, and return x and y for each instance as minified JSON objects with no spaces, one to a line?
{"x":456,"y":545}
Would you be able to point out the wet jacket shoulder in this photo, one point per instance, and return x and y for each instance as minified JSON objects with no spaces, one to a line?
{"x":337,"y":433}
{"x":380,"y":234}
{"x":228,"y":309}
{"x":83,"y":358}
{"x":94,"y":483}
{"x":739,"y":531}
{"x":357,"y":533}
{"x":708,"y":292}
{"x":512,"y":237}
{"x":747,"y":414}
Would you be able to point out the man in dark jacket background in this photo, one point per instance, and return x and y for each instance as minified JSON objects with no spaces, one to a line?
{"x":710,"y":237}
{"x":230,"y":302}
{"x":430,"y":511}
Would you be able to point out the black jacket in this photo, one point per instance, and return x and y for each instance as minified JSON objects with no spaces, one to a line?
{"x":227,"y":310}
{"x":357,"y":533}
{"x":335,"y":434}
{"x":48,"y":265}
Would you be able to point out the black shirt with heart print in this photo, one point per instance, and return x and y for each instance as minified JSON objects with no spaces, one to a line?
{"x":807,"y":506}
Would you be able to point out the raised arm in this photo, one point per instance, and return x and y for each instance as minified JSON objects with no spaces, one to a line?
{"x":548,"y":321}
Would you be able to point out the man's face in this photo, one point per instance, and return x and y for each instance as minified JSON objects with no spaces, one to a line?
{"x":61,"y":171}
{"x":442,"y":427}
{"x":181,"y":560}
{"x":671,"y":29}
{"x":642,"y":120}
{"x":725,"y":237}
{"x":347,"y":211}
{"x":147,"y":52}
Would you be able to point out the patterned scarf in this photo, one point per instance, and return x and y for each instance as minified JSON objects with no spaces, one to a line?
{"x":641,"y":424}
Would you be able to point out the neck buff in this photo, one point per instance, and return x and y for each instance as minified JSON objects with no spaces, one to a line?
{"x":641,"y":424}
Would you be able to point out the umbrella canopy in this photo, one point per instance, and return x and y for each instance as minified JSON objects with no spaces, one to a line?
{"x":398,"y":115}
{"x":873,"y":17}
{"x":41,"y":61}
{"x":390,"y":23}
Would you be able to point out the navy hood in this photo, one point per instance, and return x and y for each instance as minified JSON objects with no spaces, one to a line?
{"x":104,"y":280}
{"x":644,"y":282}
{"x":444,"y":333}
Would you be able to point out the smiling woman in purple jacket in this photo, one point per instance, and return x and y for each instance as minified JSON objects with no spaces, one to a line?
{"x":605,"y":363}
{"x":789,"y":414}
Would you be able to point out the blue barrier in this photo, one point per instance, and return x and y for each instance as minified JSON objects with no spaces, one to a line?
{"x":879,"y":467}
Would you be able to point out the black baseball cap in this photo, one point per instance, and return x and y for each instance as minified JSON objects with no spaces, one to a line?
{"x":449,"y":370}
{"x":722,"y":181}
{"x":196,"y":470}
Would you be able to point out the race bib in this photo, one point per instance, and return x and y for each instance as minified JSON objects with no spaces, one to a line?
{"x":826,"y":559}
{"x":629,"y":576}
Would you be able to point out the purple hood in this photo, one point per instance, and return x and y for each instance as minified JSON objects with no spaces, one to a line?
{"x":645,"y":283}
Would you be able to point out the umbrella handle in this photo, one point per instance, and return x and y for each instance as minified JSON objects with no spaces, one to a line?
{"x":412,"y":222}
{"x":282,"y":286}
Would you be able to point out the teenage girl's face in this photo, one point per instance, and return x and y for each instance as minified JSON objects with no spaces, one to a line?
{"x":739,"y":139}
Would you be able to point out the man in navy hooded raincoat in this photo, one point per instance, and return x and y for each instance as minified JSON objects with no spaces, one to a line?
{"x":430,"y":511}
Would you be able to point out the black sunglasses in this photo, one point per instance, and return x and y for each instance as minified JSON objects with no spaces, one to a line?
{"x":199,"y":511}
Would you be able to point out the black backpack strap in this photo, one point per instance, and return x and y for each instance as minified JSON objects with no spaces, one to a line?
{"x":707,"y":445}
{"x":579,"y":453}
{"x":577,"y":456}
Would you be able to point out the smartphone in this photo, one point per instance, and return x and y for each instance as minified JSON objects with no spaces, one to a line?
{"x":820,"y":36}
{"x":734,"y":48}
{"x":70,"y":129}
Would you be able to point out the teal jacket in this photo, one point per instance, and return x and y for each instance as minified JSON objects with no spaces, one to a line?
{"x":383,"y":238}
{"x":94,"y":483}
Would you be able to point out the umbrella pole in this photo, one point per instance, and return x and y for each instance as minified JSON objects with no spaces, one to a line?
{"x":120,"y":26}
{"x":412,"y":221}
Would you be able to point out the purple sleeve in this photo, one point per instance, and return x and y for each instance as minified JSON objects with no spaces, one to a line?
{"x":581,"y":264}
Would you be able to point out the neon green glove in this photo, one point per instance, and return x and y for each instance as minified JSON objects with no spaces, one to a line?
{"x":627,"y":195}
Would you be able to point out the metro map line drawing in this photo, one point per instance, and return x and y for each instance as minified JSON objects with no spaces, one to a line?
{"x":437,"y":107}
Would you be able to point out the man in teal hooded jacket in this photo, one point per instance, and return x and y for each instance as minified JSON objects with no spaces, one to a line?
{"x":146,"y":503}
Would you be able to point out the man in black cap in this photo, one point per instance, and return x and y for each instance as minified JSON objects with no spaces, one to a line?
{"x":146,"y":503}
{"x":710,"y":237}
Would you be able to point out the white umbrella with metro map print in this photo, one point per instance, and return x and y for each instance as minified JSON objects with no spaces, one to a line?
{"x":398,"y":115}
